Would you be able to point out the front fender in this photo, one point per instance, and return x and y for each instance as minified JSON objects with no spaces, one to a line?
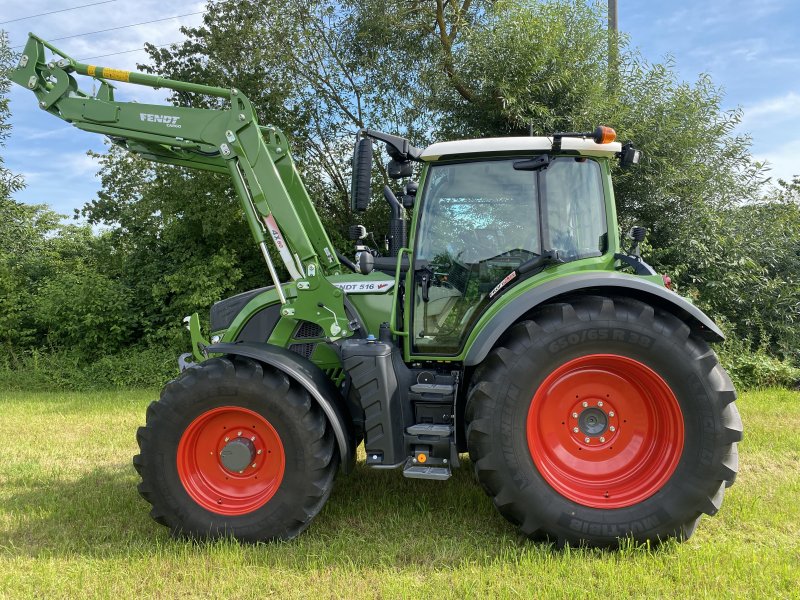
{"x":312,"y":379}
{"x":619,"y":284}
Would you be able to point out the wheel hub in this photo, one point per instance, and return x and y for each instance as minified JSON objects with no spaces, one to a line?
{"x":593,"y":422}
{"x":237,"y":454}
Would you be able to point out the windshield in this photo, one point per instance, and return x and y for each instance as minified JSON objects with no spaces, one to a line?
{"x":480,"y":220}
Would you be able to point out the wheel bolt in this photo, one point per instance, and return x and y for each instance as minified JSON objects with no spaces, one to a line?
{"x":253,"y":465}
{"x":585,"y":404}
{"x":239,"y":434}
{"x":253,"y":439}
{"x":611,"y":413}
{"x":259,"y":452}
{"x":587,"y":440}
{"x":227,"y":438}
{"x":240,"y":472}
{"x":575,"y":430}
{"x":574,"y":415}
{"x":600,"y":403}
{"x":612,"y":428}
{"x":602,"y":439}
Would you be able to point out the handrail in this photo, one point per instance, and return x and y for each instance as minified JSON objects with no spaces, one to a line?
{"x":397,"y":270}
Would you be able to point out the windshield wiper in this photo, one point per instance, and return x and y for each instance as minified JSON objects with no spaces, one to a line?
{"x":548,"y":258}
{"x":537,"y":262}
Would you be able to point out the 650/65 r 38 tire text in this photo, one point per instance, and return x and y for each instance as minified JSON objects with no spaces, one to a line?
{"x":603,"y":418}
{"x":235,"y":448}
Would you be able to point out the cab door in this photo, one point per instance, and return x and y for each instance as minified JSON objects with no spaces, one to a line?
{"x":478,"y":221}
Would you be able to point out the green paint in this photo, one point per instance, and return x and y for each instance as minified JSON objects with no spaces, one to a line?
{"x":199,"y":343}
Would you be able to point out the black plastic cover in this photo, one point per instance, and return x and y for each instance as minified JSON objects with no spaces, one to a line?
{"x":373,"y":380}
{"x":224,"y":312}
{"x":597,"y":283}
{"x":360,"y":189}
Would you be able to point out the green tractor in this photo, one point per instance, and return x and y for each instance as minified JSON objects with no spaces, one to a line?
{"x":503,"y":318}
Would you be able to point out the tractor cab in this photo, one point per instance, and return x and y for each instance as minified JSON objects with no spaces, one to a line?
{"x":492,"y":213}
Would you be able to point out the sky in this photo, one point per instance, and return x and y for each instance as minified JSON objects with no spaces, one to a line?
{"x":749,"y":48}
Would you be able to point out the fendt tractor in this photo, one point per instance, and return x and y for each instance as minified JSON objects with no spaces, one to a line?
{"x":503,"y":317}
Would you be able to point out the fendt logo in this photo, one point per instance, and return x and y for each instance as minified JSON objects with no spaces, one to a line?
{"x":165,"y":119}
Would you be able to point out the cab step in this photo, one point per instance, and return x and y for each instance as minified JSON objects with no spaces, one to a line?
{"x":416,"y":471}
{"x":434,"y":389}
{"x":430,"y":429}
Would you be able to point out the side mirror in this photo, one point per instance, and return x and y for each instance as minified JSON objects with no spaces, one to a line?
{"x":629,"y":155}
{"x":360,"y":188}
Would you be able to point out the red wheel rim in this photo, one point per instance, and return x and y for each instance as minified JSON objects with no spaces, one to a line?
{"x":605,"y":431}
{"x":207,"y":474}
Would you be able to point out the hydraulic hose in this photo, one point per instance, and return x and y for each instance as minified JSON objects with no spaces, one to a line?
{"x":346,"y":261}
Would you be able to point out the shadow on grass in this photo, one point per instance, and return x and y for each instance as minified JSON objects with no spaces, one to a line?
{"x":372,"y":518}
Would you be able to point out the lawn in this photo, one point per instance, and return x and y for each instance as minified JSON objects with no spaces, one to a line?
{"x":73,"y":525}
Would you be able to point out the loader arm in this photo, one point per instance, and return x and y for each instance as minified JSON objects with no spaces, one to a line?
{"x":271,"y":192}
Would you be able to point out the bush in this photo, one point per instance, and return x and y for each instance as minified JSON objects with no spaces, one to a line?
{"x":755,"y":368}
{"x":47,"y":371}
{"x":84,"y":310}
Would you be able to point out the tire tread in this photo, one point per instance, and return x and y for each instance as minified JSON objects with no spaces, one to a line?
{"x":484,"y":395}
{"x":249,"y":375}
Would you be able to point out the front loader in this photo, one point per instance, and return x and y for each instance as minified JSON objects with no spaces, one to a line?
{"x":504,"y":317}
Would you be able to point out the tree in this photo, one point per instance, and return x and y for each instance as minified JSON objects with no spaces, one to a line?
{"x":9,"y":182}
{"x":13,"y":234}
{"x":743,"y":264}
{"x":180,"y":240}
{"x":439,"y":69}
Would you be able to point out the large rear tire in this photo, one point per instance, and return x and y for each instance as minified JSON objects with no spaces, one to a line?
{"x":235,"y":448}
{"x":601,"y":419}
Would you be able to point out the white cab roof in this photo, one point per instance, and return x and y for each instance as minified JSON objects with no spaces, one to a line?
{"x":583,"y":146}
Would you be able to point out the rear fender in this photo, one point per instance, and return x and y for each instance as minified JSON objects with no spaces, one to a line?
{"x":617,"y":284}
{"x":316,"y":383}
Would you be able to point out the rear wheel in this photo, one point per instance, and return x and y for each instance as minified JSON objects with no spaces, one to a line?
{"x":600,"y":419}
{"x":235,"y":448}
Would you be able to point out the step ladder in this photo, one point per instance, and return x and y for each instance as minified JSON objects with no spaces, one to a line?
{"x":438,"y":469}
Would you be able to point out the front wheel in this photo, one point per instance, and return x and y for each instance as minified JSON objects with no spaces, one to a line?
{"x":600,"y":419}
{"x":235,"y":448}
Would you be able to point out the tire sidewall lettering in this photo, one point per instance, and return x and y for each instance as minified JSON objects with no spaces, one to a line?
{"x":600,"y":335}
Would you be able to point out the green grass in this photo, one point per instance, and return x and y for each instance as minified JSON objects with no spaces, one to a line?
{"x":72,"y":525}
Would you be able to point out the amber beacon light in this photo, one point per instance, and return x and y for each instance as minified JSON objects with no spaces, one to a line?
{"x":604,"y":135}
